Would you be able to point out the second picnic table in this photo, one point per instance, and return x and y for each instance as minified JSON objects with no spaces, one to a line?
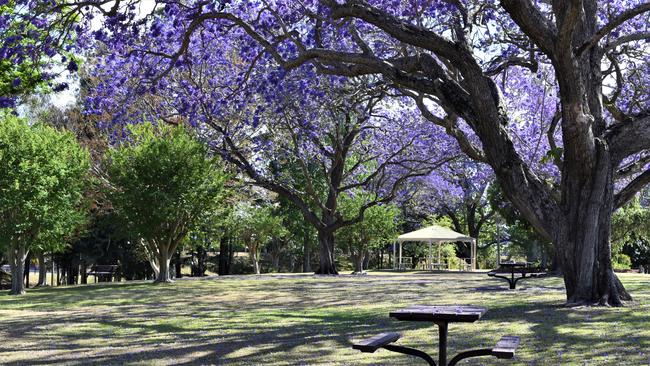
{"x":521,"y":268}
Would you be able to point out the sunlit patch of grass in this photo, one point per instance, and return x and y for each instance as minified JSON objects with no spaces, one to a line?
{"x":311,"y":320}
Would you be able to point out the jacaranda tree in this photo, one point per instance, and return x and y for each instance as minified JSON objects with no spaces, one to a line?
{"x":307,"y":138}
{"x":455,"y":59}
{"x":43,"y":175}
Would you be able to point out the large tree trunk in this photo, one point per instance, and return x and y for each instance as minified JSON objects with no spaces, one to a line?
{"x":16,"y":253}
{"x":42,"y":270}
{"x":327,"y":266}
{"x":275,"y":261}
{"x":224,"y":255}
{"x":306,"y":254}
{"x":583,"y":240}
{"x":252,"y":253}
{"x":164,"y":259}
{"x":358,"y":259}
{"x":178,"y":262}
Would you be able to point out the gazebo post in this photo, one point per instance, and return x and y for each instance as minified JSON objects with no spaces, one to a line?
{"x":394,"y":256}
{"x":399,"y":266}
{"x":430,"y":259}
{"x":474,"y":255}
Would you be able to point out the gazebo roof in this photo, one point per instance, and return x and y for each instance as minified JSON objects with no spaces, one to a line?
{"x":435,"y":233}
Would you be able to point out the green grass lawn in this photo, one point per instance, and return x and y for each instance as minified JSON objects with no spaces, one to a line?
{"x":309,"y":320}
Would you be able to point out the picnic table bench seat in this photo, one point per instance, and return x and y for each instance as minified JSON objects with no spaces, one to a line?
{"x":371,"y":344}
{"x":506,"y":347}
{"x":103,"y":270}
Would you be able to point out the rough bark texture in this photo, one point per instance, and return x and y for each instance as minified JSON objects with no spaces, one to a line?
{"x":224,"y":255}
{"x":163,"y":275}
{"x":254,"y":257}
{"x":306,"y":254}
{"x":327,"y":265}
{"x":16,"y":254}
{"x":358,"y":260}
{"x":42,"y":270}
{"x":583,"y":241}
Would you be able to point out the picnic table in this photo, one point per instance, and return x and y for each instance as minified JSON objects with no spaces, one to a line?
{"x":103,"y":271}
{"x":441,"y":316}
{"x":520,"y":268}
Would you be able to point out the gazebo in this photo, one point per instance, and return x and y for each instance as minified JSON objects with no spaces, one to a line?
{"x":434,"y":234}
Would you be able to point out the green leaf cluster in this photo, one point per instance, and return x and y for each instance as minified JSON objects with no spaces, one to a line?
{"x":164,"y":182}
{"x":43,"y":176}
{"x":380,"y":224}
{"x":257,"y":225}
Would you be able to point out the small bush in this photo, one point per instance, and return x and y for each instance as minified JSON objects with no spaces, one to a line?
{"x":621,"y":261}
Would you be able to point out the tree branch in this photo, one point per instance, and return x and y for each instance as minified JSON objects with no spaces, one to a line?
{"x":627,"y":193}
{"x":633,"y":167}
{"x":533,"y":23}
{"x":629,"y":137}
{"x":602,"y":32}
{"x":625,"y":39}
{"x":400,"y":30}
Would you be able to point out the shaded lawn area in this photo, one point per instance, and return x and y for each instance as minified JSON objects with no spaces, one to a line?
{"x":309,"y":320}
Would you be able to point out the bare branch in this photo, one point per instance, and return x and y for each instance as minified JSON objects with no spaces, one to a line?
{"x":629,"y":137}
{"x":627,"y":193}
{"x":620,"y":19}
{"x":633,"y":167}
{"x":533,"y":23}
{"x":626,"y":39}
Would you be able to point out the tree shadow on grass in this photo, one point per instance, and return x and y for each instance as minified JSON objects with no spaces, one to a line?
{"x":304,"y":321}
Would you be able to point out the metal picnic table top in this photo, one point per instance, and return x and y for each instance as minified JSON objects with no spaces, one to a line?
{"x":514,"y":264}
{"x":438,"y":313}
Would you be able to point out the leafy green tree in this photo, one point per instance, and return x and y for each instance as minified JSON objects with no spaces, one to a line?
{"x":256,"y":226}
{"x":43,"y":174}
{"x":631,"y":236}
{"x":379,"y":226}
{"x":163,"y":183}
{"x":302,"y":235}
{"x":522,"y":239}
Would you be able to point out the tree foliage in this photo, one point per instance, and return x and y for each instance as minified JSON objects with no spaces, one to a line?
{"x":379,"y":227}
{"x":43,"y":175}
{"x":163,"y":182}
{"x":257,"y":226}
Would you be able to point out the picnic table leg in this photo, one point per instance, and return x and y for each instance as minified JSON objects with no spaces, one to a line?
{"x":410,"y":352}
{"x":442,"y":343}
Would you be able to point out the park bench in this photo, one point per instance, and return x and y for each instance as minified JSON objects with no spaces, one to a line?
{"x":504,"y":349}
{"x":103,"y":271}
{"x":520,"y":269}
{"x":5,"y":279}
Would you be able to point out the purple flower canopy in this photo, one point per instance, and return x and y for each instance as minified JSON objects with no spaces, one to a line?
{"x":219,"y":61}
